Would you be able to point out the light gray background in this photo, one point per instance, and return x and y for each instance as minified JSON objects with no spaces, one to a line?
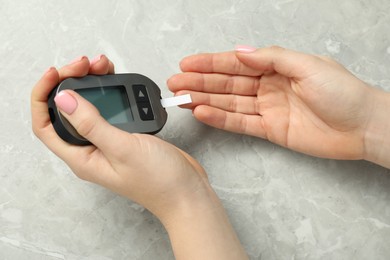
{"x":284,"y":205}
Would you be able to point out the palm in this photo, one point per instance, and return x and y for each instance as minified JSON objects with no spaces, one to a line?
{"x":293,"y":118}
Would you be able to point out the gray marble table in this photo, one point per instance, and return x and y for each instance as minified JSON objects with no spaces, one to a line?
{"x":284,"y":205}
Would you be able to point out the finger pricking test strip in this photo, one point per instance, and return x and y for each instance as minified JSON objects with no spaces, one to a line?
{"x":131,"y":102}
{"x":176,"y":101}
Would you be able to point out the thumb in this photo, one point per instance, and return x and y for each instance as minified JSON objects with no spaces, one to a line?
{"x":86,"y":120}
{"x":277,"y":59}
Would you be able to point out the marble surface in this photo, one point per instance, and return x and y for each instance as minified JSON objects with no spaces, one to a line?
{"x":284,"y":205}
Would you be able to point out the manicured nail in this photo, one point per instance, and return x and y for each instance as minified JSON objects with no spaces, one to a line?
{"x":66,"y":102}
{"x":77,"y":59}
{"x":96,"y":59}
{"x":245,"y":48}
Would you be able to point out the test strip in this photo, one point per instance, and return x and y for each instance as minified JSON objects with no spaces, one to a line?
{"x":176,"y":101}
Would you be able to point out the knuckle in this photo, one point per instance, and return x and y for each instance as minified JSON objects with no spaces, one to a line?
{"x":237,"y":66}
{"x":255,"y":86}
{"x":275,"y":51}
{"x":256,"y":107}
{"x":233,"y":103}
{"x":243,"y":125}
{"x":276,"y":48}
{"x":86,"y":126}
{"x":229,"y":85}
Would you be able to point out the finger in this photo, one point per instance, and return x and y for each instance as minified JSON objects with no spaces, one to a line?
{"x":39,"y":96}
{"x":52,"y":77}
{"x":214,"y":83}
{"x":88,"y":122}
{"x":233,"y":122}
{"x":45,"y":84}
{"x":231,"y":103}
{"x":286,"y":62}
{"x":225,"y":62}
{"x":40,"y":116}
{"x":44,"y":130}
{"x":41,"y":123}
{"x":101,"y":65}
{"x":111,"y":68}
{"x":77,"y":68}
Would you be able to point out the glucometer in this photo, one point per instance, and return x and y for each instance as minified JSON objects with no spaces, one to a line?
{"x":131,"y":102}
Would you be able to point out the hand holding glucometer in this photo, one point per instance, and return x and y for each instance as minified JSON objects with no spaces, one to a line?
{"x":131,"y":102}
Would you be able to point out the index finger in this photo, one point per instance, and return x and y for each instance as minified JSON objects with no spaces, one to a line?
{"x":41,"y":123}
{"x":39,"y":97}
{"x":284,"y":61}
{"x":42,"y":89}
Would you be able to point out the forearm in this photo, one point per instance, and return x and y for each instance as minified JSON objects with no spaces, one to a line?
{"x":377,"y":137}
{"x":200,"y":229}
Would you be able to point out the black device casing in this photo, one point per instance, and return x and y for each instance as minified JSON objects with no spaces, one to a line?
{"x":67,"y":132}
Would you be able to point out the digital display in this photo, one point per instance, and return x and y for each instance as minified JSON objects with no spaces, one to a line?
{"x":112,"y":103}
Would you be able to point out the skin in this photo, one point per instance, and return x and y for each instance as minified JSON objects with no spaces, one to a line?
{"x":172,"y":185}
{"x":306,"y":103}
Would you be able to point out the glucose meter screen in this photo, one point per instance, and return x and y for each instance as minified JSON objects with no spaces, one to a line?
{"x":112,"y":103}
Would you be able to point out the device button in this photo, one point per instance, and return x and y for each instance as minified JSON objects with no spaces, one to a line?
{"x":140,"y":93}
{"x":145,"y":111}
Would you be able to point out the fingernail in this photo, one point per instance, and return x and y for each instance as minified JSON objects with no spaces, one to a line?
{"x":245,"y":48}
{"x":96,"y":59}
{"x":66,"y":102}
{"x":77,"y":59}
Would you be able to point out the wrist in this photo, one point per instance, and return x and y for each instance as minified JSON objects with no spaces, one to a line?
{"x":199,"y":228}
{"x":377,"y":134}
{"x":186,"y":205}
{"x":178,"y":198}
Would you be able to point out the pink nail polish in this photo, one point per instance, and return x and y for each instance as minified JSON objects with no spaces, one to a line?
{"x":96,"y":59}
{"x":77,"y":59}
{"x":66,"y":102}
{"x":245,"y":49}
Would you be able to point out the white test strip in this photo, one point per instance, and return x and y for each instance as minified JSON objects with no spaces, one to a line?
{"x":176,"y":101}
